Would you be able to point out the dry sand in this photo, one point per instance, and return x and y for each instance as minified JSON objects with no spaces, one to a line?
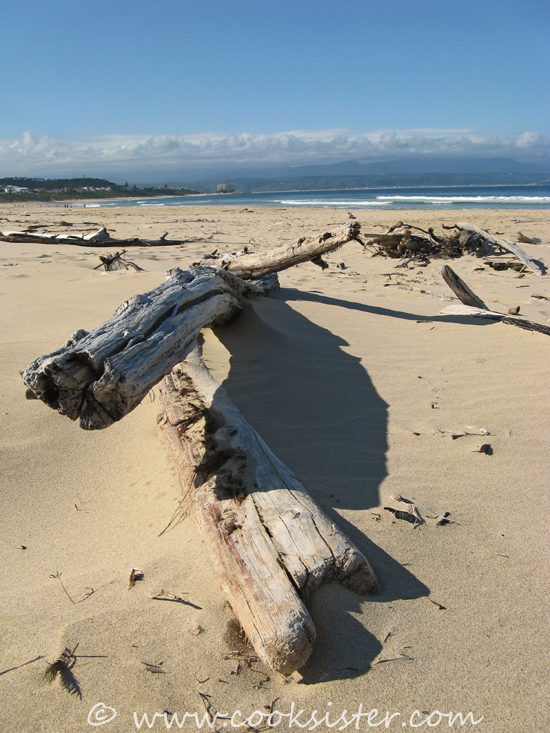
{"x":348,"y":375}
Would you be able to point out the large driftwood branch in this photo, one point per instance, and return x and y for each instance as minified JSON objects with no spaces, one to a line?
{"x":270,"y":545}
{"x":99,"y":377}
{"x":251,"y":266}
{"x":508,"y":246}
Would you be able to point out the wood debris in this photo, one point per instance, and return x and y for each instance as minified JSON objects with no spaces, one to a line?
{"x":406,"y":241}
{"x":111,"y":263}
{"x":527,"y":240}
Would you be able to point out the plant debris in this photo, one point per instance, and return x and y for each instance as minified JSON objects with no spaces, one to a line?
{"x":167,"y":596}
{"x":89,"y":590}
{"x":154,"y":668}
{"x":135,"y":575}
{"x":12,"y":669}
{"x":63,"y":666}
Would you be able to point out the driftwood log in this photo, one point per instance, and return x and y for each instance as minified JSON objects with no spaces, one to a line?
{"x":270,"y":545}
{"x":474,"y":306}
{"x":99,"y":377}
{"x":100,"y":238}
{"x":306,"y":249}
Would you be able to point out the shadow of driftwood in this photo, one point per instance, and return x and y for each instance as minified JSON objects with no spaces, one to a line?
{"x":317,"y":409}
{"x":291,"y":294}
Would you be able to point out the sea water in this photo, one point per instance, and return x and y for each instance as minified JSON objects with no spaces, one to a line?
{"x":452,"y":197}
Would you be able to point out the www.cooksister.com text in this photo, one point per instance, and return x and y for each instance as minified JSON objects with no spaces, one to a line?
{"x":295,"y":719}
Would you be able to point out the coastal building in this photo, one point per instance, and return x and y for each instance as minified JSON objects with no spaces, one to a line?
{"x":16,"y":189}
{"x":225,"y":188}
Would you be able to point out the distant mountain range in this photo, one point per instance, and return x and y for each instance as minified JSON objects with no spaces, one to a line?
{"x":417,"y":171}
{"x":417,"y":165}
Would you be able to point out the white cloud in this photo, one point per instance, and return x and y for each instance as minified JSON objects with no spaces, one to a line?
{"x":191,"y":155}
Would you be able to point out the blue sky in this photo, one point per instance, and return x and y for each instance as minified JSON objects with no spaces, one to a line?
{"x":178,"y":88}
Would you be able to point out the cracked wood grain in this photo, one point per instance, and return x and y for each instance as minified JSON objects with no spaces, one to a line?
{"x":270,"y":545}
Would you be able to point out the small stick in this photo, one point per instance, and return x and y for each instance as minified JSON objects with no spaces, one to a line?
{"x":11,"y":669}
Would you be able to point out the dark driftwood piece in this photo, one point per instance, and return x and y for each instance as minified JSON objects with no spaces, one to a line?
{"x":99,"y":377}
{"x":270,"y":545}
{"x":460,"y":289}
{"x":474,"y":306}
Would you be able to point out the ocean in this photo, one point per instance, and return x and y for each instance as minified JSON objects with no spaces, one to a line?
{"x":467,"y":197}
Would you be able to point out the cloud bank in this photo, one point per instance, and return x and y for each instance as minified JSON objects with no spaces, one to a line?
{"x":195,"y":156}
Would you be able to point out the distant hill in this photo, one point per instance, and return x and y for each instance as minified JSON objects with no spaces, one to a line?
{"x":418,"y":164}
{"x":404,"y":172}
{"x":382,"y":180}
{"x":64,"y":189}
{"x":50,"y":184}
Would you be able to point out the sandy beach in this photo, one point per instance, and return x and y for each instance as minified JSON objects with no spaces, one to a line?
{"x":356,"y":382}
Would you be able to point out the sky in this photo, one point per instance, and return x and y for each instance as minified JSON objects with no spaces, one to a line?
{"x":179,"y":89}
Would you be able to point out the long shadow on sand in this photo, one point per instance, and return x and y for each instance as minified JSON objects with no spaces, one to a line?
{"x":317,"y":409}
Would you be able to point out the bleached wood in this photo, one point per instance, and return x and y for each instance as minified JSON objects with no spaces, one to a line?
{"x":99,"y":377}
{"x":271,"y":546}
{"x":468,"y":310}
{"x":513,"y":248}
{"x":251,"y":266}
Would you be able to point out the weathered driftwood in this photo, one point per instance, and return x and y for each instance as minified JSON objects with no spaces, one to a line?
{"x":251,"y":266}
{"x":99,"y":377}
{"x":513,"y":248}
{"x":98,"y":239}
{"x":474,"y":306}
{"x":270,"y":545}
